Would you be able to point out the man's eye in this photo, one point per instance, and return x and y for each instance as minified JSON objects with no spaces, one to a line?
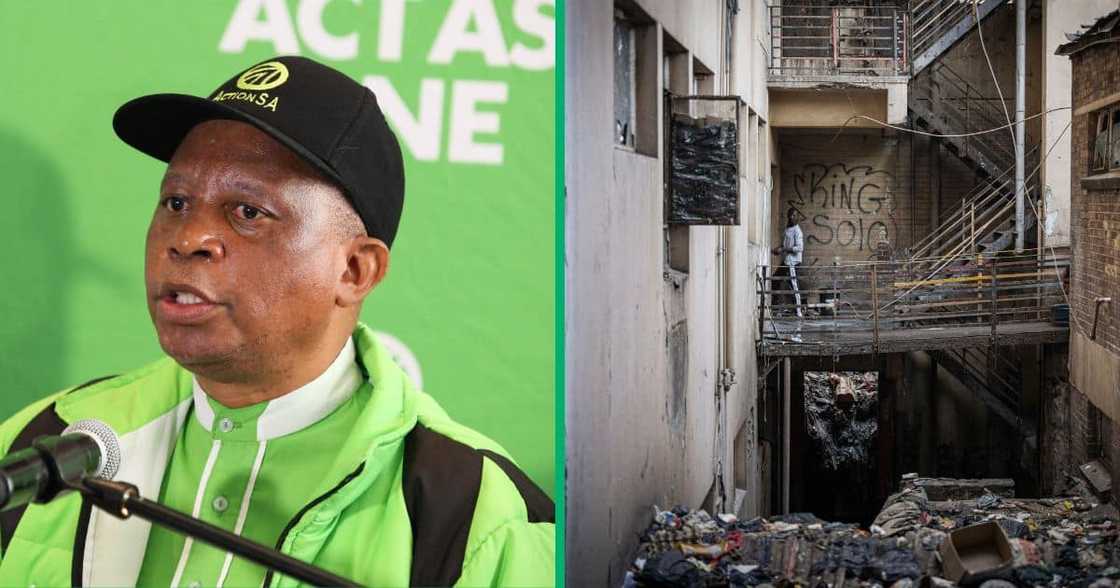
{"x":247,"y":212}
{"x":174,"y":203}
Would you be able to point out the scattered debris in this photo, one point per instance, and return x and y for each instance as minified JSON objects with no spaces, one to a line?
{"x":1098,"y":476}
{"x":1051,"y":542}
{"x":988,"y":500}
{"x":962,"y":489}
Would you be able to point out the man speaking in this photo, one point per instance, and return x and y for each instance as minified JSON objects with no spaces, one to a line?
{"x":278,"y":416}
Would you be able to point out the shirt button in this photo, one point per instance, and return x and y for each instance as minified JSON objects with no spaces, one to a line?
{"x":225,"y":425}
{"x":220,"y":503}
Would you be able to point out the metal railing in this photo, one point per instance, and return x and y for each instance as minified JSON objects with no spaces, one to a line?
{"x":933,"y":18}
{"x":938,"y":24}
{"x":874,"y":297}
{"x":997,"y":371}
{"x":838,"y":40}
{"x":974,"y":225}
{"x":951,"y":105}
{"x":982,"y":221}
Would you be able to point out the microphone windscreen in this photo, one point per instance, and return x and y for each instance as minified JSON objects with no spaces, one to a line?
{"x":106,"y":439}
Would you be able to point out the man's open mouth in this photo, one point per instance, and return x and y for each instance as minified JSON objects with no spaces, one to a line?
{"x":186,"y":298}
{"x":183,"y":304}
{"x":181,"y":293}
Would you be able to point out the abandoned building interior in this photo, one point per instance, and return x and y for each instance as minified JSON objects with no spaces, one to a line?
{"x":953,"y":167}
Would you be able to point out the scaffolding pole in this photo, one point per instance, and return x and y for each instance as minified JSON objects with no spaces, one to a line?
{"x":1020,"y":126}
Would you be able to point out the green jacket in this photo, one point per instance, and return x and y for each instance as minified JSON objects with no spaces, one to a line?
{"x":413,"y":498}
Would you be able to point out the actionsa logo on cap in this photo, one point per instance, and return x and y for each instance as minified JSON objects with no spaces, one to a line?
{"x":265,"y":76}
{"x":255,"y":80}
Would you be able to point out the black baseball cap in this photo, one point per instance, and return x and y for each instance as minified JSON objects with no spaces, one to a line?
{"x":323,"y":115}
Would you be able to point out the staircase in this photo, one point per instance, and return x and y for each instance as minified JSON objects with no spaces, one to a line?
{"x":945,"y":103}
{"x":982,"y":224}
{"x":942,"y":102}
{"x":937,"y":25}
{"x":996,"y":378}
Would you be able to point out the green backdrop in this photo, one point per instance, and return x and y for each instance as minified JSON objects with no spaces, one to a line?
{"x":468,"y":84}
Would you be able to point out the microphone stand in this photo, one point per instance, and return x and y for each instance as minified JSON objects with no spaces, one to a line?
{"x":122,"y":500}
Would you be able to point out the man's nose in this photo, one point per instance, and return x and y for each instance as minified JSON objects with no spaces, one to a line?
{"x":197,"y":239}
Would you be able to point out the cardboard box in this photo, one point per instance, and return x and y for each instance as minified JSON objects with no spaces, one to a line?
{"x":970,"y":553}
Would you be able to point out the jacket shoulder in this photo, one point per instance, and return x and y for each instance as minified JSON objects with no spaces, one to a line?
{"x":12,"y":427}
{"x":457,"y":494}
{"x":15,"y":424}
{"x":87,"y":400}
{"x":130,"y":400}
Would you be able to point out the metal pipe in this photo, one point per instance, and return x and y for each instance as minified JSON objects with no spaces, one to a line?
{"x":720,"y":451}
{"x":1020,"y":125}
{"x":786,"y":409}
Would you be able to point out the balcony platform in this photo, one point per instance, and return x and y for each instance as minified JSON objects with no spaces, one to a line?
{"x":801,"y":80}
{"x":787,"y":337}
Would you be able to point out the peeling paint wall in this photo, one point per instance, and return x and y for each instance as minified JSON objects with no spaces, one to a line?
{"x":641,"y":340}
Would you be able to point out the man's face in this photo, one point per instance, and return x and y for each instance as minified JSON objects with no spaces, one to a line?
{"x":791,"y":217}
{"x":241,"y":264}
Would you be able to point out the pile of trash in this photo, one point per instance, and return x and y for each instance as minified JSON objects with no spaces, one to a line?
{"x":842,"y":415}
{"x":693,"y":549}
{"x":1053,"y":542}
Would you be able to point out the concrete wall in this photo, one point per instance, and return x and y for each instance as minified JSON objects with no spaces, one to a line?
{"x":643,"y":345}
{"x":851,"y":190}
{"x":827,"y":108}
{"x":1060,"y":17}
{"x":1066,"y":429}
{"x":910,"y":184}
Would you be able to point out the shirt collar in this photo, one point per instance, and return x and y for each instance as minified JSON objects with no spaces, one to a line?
{"x":286,"y":414}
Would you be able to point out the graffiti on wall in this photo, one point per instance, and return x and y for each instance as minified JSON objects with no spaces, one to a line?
{"x":851,"y":208}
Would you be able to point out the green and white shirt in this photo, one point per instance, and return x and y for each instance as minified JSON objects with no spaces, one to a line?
{"x":249,"y":470}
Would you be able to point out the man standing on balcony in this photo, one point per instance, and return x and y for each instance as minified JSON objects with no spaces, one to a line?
{"x":793,"y":243}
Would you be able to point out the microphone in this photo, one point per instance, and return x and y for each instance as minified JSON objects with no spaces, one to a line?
{"x":86,"y":456}
{"x":56,"y":464}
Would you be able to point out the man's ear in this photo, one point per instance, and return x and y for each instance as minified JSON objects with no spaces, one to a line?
{"x":367,"y":261}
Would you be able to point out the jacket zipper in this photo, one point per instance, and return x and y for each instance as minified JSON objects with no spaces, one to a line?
{"x":299,"y":515}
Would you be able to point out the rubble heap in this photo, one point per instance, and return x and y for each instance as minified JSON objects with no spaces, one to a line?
{"x":842,"y":415}
{"x":1055,"y":542}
